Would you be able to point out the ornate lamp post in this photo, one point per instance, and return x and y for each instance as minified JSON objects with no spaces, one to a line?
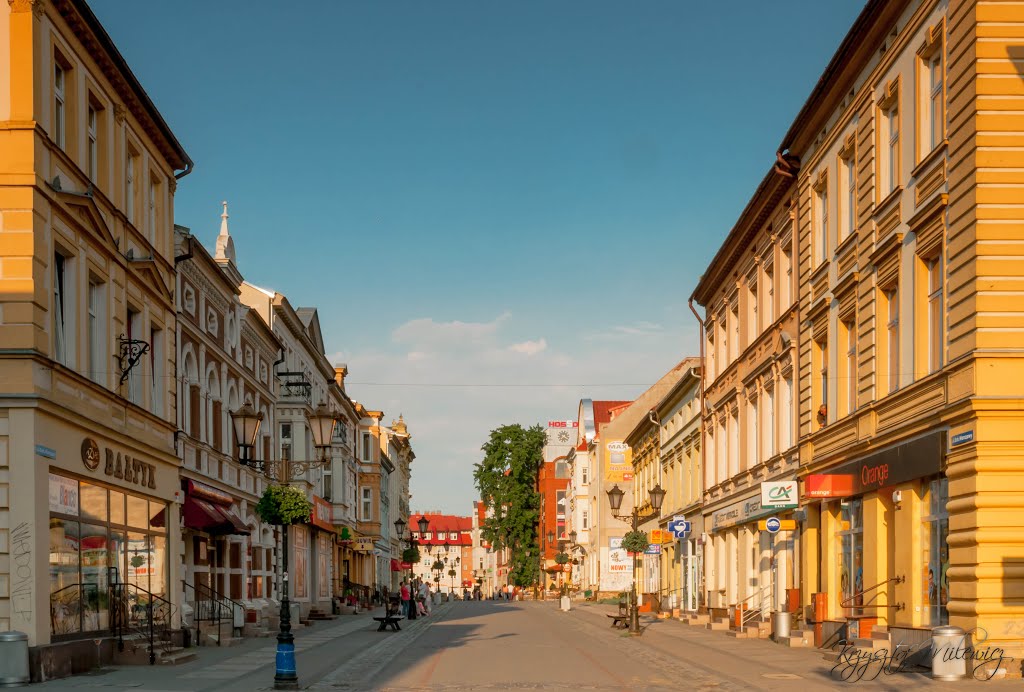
{"x":615,"y":495}
{"x":424,"y":525}
{"x":245,"y":423}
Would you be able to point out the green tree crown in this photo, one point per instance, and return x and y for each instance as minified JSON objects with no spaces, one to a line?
{"x":284,"y":505}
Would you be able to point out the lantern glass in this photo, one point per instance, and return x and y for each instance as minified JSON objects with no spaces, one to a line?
{"x":615,"y":496}
{"x":400,"y":526}
{"x":424,"y":524}
{"x":245,"y":423}
{"x":321,"y":425}
{"x":572,"y":536}
{"x":657,"y":497}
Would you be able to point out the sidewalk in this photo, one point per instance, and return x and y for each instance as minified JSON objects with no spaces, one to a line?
{"x":249,"y":665}
{"x":758,"y":663}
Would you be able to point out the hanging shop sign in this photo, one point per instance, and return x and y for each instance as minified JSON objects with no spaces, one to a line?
{"x":898,"y":464}
{"x":130,"y":470}
{"x":363,"y":545}
{"x":322,"y":517}
{"x":779,"y":495}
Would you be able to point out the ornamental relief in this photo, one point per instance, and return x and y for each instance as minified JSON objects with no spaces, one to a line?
{"x":212,"y":295}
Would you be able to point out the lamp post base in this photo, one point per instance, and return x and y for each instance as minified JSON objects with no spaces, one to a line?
{"x":285,"y":675}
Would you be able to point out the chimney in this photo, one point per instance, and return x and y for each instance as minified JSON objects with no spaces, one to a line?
{"x":339,"y":375}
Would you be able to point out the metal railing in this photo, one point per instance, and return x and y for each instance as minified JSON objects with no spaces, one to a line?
{"x":209,"y":605}
{"x":763,"y":606}
{"x":72,"y":606}
{"x":140,"y":615}
{"x":850,"y":603}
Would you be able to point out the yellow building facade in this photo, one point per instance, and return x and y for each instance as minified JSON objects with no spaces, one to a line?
{"x":911,"y":274}
{"x":88,"y":466}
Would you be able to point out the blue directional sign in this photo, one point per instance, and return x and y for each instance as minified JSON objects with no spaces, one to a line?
{"x":679,"y":527}
{"x":773,"y":524}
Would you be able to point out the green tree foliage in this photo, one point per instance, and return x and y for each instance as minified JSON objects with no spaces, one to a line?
{"x":507,"y":481}
{"x":635,"y":542}
{"x":284,"y":505}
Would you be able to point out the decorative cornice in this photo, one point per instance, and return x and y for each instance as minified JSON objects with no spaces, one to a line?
{"x":36,"y":7}
{"x":193,"y":274}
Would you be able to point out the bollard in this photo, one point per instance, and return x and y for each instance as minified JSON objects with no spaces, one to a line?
{"x":949,"y":653}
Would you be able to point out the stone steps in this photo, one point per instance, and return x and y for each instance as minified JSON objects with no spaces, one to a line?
{"x":719,"y":625}
{"x":799,"y":639}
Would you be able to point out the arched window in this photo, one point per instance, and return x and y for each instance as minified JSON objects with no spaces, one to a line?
{"x":214,"y":430}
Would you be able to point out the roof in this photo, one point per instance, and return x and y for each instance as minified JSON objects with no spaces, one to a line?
{"x":106,"y":44}
{"x":603,"y":410}
{"x":443,"y":523}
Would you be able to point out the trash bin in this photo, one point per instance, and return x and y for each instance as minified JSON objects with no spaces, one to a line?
{"x":781,"y":623}
{"x":13,"y":659}
{"x":949,"y":660}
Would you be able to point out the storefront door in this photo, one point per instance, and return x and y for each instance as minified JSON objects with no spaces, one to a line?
{"x":934,"y":533}
{"x":851,"y":555}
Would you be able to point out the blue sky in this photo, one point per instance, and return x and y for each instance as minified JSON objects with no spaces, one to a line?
{"x":479,"y":192}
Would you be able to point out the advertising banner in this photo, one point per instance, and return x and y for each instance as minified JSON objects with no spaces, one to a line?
{"x":618,"y":461}
{"x":618,"y":574}
{"x":779,"y":495}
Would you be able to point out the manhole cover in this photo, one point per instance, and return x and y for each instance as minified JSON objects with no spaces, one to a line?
{"x":781,"y":676}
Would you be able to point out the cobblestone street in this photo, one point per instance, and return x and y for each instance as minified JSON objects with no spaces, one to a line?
{"x":504,"y":646}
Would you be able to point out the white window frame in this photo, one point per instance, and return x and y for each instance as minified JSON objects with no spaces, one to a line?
{"x":892,"y":326}
{"x":129,"y":176}
{"x":821,"y":195}
{"x":753,"y":433}
{"x":92,"y":161}
{"x":366,"y":503}
{"x":892,"y":120}
{"x":61,"y":330}
{"x":768,"y":441}
{"x":936,"y":355}
{"x":60,"y":79}
{"x":851,"y":365}
{"x":848,"y":222}
{"x":96,"y":331}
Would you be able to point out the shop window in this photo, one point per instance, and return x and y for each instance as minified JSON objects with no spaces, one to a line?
{"x":935,"y":560}
{"x":850,"y":541}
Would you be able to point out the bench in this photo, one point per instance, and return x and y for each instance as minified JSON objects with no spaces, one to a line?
{"x":387,"y":620}
{"x":620,"y":621}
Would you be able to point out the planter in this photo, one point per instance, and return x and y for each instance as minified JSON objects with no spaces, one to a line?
{"x":565,"y":603}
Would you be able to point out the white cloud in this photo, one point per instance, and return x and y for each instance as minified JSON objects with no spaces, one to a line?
{"x":530,"y":348}
{"x":643,"y":329}
{"x":449,"y":423}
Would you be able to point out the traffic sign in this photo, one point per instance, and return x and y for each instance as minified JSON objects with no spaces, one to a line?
{"x":774,"y":525}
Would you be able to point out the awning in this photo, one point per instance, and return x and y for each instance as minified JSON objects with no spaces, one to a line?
{"x":396,"y":566}
{"x":201,"y":515}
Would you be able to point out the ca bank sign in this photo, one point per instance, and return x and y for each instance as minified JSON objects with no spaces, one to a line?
{"x":779,"y":495}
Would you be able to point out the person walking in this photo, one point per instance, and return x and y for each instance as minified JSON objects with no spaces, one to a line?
{"x":406,"y":602}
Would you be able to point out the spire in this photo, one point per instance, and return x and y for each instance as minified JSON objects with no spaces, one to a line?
{"x":225,"y":245}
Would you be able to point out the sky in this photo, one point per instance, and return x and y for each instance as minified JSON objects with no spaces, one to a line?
{"x":498,"y":208}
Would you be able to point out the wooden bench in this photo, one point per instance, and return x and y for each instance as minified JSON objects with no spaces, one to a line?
{"x":388,"y":620}
{"x":620,"y":620}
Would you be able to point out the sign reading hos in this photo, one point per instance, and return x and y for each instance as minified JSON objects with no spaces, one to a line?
{"x":117,"y":465}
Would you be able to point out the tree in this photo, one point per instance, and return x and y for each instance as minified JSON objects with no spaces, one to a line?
{"x":507,"y":481}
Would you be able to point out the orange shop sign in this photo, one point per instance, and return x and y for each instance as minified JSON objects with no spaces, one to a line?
{"x":323,"y":516}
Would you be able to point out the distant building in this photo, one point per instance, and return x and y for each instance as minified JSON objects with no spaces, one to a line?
{"x":448,"y":544}
{"x":552,"y":483}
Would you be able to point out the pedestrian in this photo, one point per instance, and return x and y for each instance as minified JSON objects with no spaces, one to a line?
{"x":406,"y":599}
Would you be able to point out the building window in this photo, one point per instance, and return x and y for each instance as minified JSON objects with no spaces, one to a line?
{"x":821,"y":210}
{"x":786,"y":418}
{"x":821,"y":349}
{"x":934,"y":535}
{"x":753,"y":424}
{"x":769,"y":423}
{"x":59,"y":104}
{"x":933,"y":112}
{"x":129,"y":200}
{"x":134,"y":381}
{"x":97,"y":332}
{"x":712,"y":372}
{"x":892,"y":147}
{"x":848,"y":218}
{"x":156,"y":371}
{"x":585,"y":520}
{"x":849,"y":331}
{"x":768,"y":293}
{"x":753,"y":328}
{"x":892,"y":333}
{"x":92,"y":163}
{"x":734,"y":445}
{"x":60,"y":303}
{"x":935,"y":315}
{"x":734,"y":332}
{"x":785,"y":277}
{"x":367,"y":508}
{"x":584,"y":473}
{"x":151,"y":212}
{"x":366,"y":447}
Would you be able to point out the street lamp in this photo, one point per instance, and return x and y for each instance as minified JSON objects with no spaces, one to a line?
{"x":245,"y":424}
{"x":615,"y":495}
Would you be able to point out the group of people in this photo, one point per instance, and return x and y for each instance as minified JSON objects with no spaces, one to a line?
{"x":415,"y":595}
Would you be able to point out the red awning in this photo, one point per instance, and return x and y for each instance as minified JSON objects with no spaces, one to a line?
{"x":395,"y":566}
{"x":201,"y":515}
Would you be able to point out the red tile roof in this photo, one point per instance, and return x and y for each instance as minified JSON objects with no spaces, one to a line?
{"x":446,"y":524}
{"x":604,"y":409}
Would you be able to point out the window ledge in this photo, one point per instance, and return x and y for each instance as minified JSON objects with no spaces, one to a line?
{"x":935,"y":154}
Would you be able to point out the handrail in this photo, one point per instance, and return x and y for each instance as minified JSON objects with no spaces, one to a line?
{"x":209,"y":604}
{"x":62,"y":602}
{"x":154,"y":626}
{"x":847,"y":603}
{"x":760,"y":611}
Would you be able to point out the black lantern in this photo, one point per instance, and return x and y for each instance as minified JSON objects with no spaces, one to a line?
{"x":424,"y":525}
{"x":572,"y":537}
{"x":321,"y":425}
{"x":551,"y":536}
{"x":400,"y":526}
{"x":245,"y":422}
{"x":657,"y":497}
{"x":615,"y":496}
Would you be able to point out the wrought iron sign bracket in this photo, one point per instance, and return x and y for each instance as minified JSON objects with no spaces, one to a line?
{"x":131,"y":353}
